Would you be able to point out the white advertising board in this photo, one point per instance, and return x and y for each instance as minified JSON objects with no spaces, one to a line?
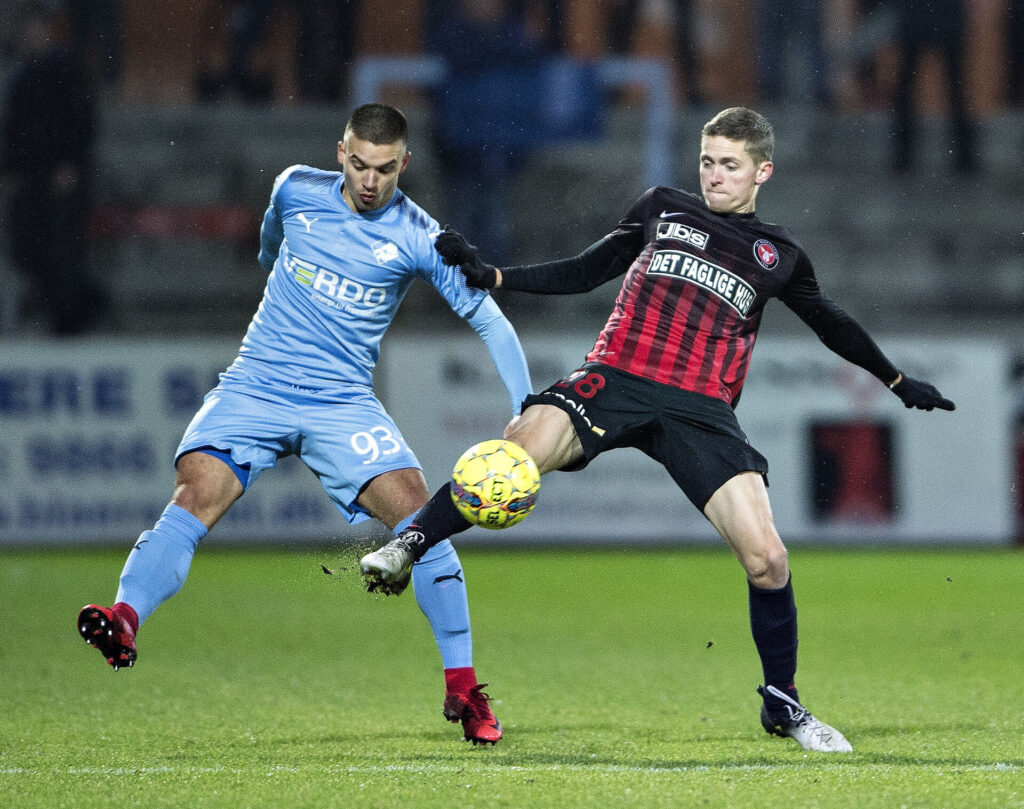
{"x":88,"y":431}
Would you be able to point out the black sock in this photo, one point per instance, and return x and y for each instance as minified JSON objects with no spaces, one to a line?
{"x":773,"y":624}
{"x":435,"y":522}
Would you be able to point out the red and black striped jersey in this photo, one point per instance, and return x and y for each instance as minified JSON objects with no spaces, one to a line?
{"x":696,"y":285}
{"x":691,"y":302}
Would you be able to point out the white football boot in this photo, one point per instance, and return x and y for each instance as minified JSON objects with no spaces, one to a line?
{"x":388,"y":569}
{"x":800,"y":724}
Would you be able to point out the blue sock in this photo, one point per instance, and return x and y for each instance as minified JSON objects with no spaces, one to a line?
{"x":159,"y":562}
{"x":440,"y":589}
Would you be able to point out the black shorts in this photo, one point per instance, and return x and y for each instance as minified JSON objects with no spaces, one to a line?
{"x":695,"y":437}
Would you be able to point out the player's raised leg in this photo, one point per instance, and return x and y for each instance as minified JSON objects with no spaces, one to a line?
{"x":387,"y":569}
{"x":157,"y":565}
{"x":742,"y":514}
{"x":547,"y":435}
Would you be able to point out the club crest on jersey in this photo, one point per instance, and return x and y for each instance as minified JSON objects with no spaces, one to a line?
{"x":384,"y":251}
{"x":766,"y":253}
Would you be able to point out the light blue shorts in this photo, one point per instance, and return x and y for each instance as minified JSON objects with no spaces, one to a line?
{"x":344,"y":436}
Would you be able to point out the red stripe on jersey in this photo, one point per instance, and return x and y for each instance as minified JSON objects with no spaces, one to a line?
{"x":696,"y":362}
{"x":682,"y":330}
{"x":718,"y":357}
{"x":636,"y":351}
{"x":734,"y":375}
{"x":606,"y":350}
{"x":616,"y":331}
{"x":710,"y":379}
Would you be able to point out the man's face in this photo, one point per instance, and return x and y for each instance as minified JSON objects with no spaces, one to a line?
{"x":729,"y":178}
{"x":371,"y":171}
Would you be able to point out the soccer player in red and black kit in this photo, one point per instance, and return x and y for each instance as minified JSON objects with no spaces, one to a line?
{"x":666,"y":373}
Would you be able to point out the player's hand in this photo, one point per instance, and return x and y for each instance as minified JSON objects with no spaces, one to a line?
{"x":456,"y":251}
{"x":915,"y":393}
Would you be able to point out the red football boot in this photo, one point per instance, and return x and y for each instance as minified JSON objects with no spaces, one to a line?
{"x":479,"y":724}
{"x":110,"y":632}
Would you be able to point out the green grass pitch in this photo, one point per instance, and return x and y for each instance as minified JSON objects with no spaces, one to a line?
{"x":623,"y":679}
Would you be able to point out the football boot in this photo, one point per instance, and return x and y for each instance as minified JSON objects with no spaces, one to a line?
{"x":388,"y":569}
{"x":110,"y":633}
{"x":479,"y":724}
{"x":800,"y":724}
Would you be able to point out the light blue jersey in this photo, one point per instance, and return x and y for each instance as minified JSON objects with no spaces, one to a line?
{"x":302,"y":384}
{"x":336,"y":281}
{"x":302,"y":381}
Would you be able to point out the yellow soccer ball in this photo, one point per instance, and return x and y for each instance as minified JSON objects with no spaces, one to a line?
{"x":495,"y":484}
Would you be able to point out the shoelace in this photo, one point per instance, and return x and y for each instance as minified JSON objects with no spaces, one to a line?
{"x":476,"y":702}
{"x":798,"y":714}
{"x":412,"y":540}
{"x":798,"y":717}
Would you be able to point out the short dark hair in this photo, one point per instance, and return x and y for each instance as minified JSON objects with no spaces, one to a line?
{"x":378,"y":123}
{"x":743,"y":124}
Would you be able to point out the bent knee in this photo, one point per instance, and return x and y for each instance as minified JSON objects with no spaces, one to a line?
{"x":205,"y":486}
{"x":767,"y":567}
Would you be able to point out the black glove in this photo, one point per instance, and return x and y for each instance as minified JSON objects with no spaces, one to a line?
{"x":915,"y":393}
{"x":456,"y":251}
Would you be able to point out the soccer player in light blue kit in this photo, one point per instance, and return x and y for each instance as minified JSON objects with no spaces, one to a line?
{"x":342,"y":249}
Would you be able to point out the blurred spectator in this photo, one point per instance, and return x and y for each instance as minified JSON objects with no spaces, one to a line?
{"x":876,"y":26}
{"x":1015,"y":67}
{"x":324,"y":49}
{"x":97,"y":34}
{"x":623,"y":21}
{"x":242,"y":24}
{"x":923,"y":25}
{"x":46,"y":141}
{"x":483,"y":113}
{"x":554,"y":12}
{"x":552,"y":37}
{"x":790,"y":33}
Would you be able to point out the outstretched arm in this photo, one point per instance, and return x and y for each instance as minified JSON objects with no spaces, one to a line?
{"x":503,"y":345}
{"x":600,"y":262}
{"x":847,"y":338}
